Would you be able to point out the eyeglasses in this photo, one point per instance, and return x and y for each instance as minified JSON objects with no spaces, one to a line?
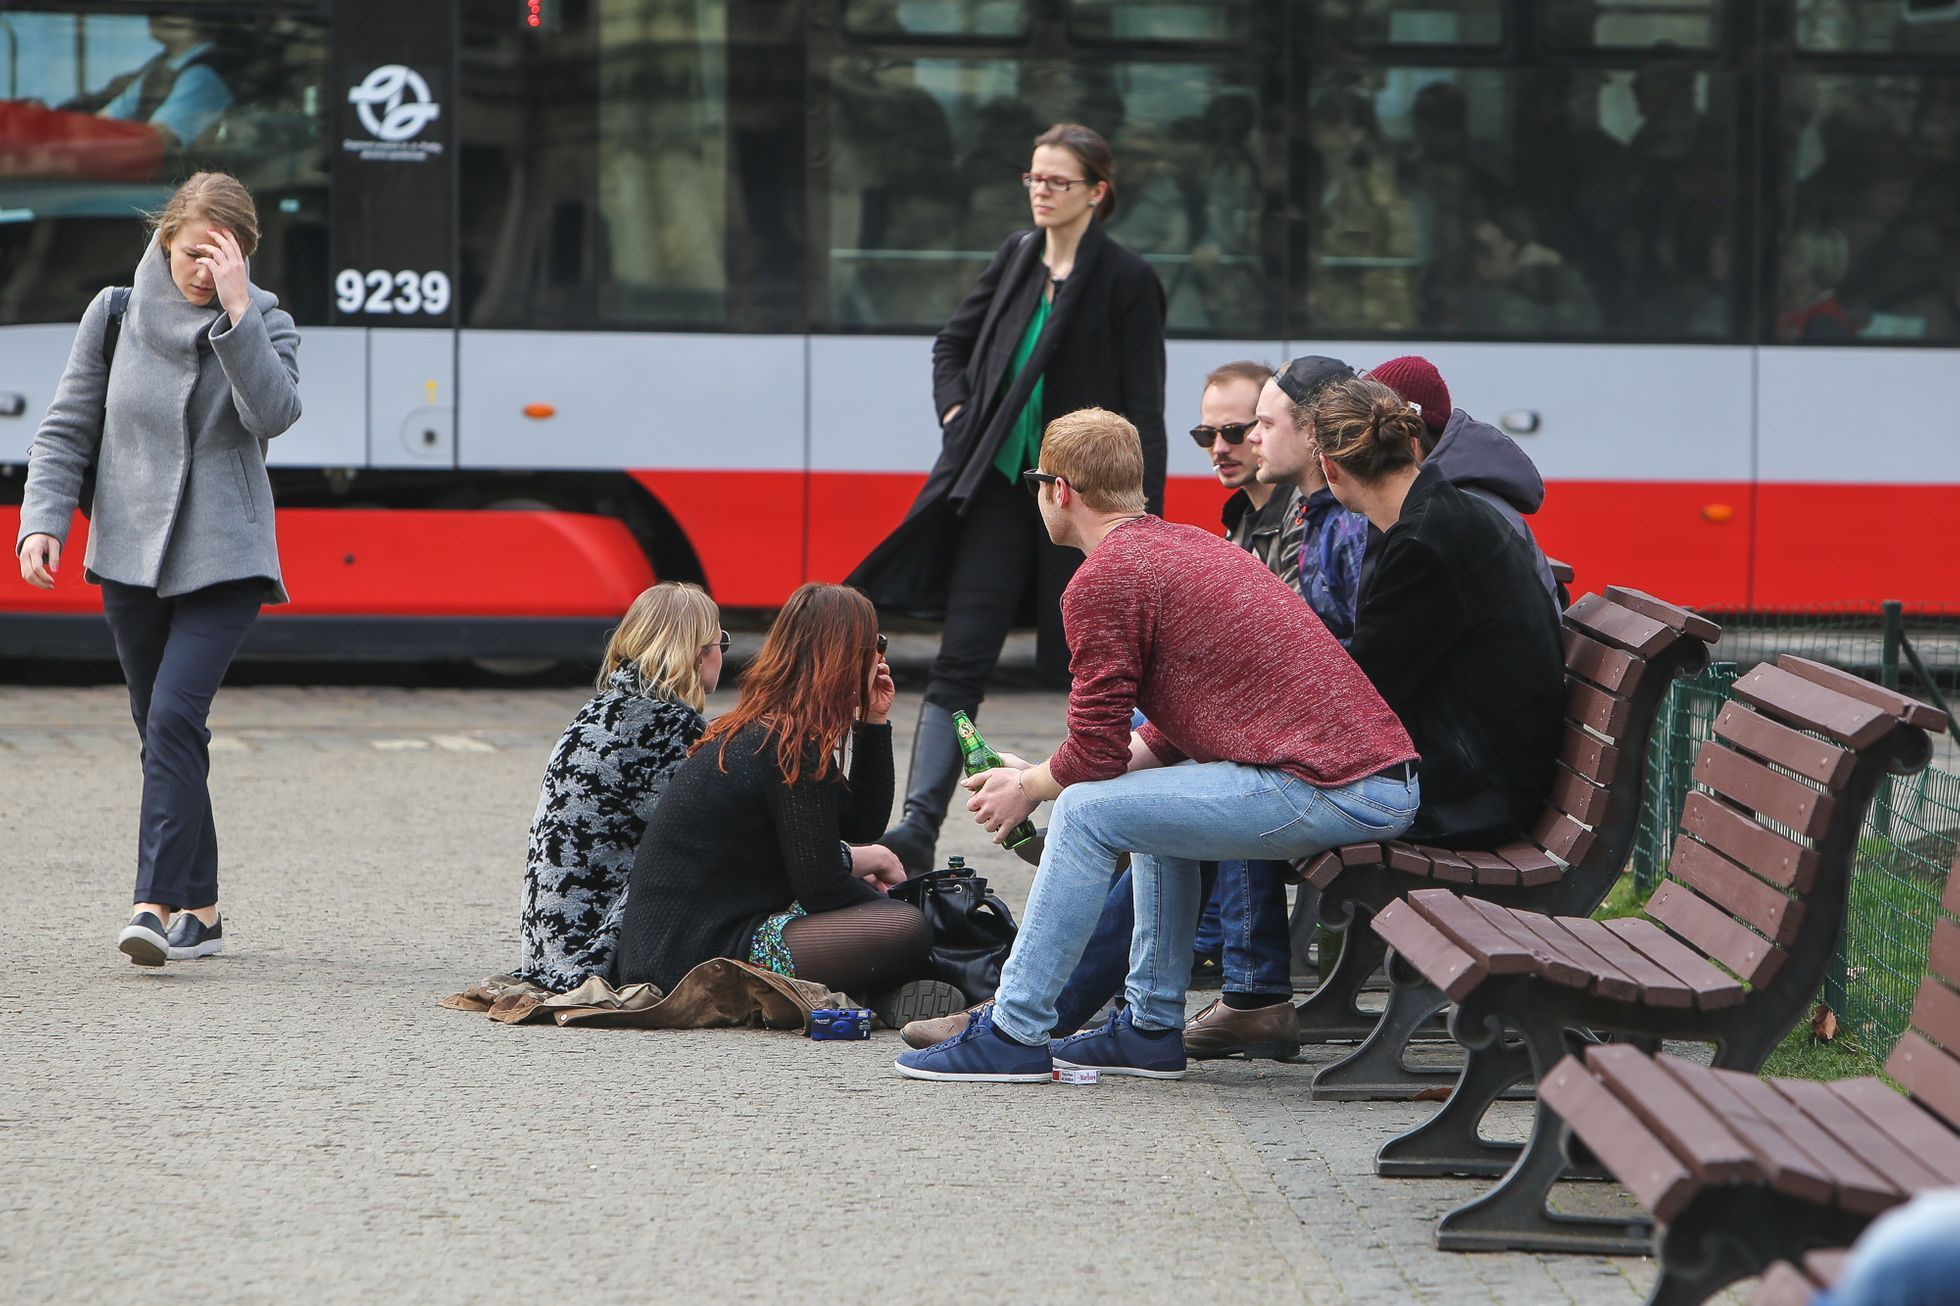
{"x":1231,"y":432}
{"x":883,"y":643}
{"x":721,"y":644}
{"x":1034,"y":480}
{"x":1060,"y":185}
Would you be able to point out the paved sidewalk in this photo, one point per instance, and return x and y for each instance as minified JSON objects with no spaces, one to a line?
{"x":297,"y":1121}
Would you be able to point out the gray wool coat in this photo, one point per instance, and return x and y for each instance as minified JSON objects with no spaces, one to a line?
{"x":178,"y":430}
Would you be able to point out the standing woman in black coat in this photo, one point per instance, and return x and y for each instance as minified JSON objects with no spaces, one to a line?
{"x":1063,"y":318}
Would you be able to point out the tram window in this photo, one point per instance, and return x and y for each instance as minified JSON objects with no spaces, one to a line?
{"x":102,"y":114}
{"x":1868,"y":172}
{"x":595,"y":168}
{"x":1879,"y":26}
{"x":1161,"y":20}
{"x":936,"y":17}
{"x":1633,"y":24}
{"x":1398,"y":22}
{"x":1582,"y":203}
{"x":926,"y":157}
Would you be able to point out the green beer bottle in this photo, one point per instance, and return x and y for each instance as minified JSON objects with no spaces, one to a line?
{"x":977,"y":755}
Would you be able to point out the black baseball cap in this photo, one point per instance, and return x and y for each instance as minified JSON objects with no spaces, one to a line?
{"x":1306,"y":377}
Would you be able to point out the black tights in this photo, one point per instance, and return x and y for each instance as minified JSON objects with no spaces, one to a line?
{"x":860,"y":950}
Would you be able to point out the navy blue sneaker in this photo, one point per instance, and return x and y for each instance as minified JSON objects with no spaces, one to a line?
{"x":979,"y":1055}
{"x":191,"y":938}
{"x":143,"y":941}
{"x":1116,"y":1048}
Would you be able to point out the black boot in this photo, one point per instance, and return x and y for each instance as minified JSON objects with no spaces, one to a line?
{"x":935,"y":770}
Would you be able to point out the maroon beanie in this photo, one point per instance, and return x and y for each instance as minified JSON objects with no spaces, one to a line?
{"x":1416,"y":379}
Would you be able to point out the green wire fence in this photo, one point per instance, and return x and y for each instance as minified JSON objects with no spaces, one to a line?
{"x":1909,"y":840}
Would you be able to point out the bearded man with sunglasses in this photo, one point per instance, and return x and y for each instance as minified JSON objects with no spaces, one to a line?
{"x":1257,"y":517}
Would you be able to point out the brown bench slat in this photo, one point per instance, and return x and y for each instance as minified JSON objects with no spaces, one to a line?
{"x":1604,"y":712}
{"x":1361,"y":854}
{"x":1324,"y":870}
{"x":1910,"y":1125}
{"x":1561,"y":571}
{"x":1725,"y":884}
{"x":1654,"y":1175}
{"x":1448,"y":866}
{"x":1553,"y":964}
{"x":1783,"y":1284}
{"x":1826,"y":1264}
{"x":1713,"y":990}
{"x":1936,"y":1014}
{"x":1622,"y":627}
{"x":1943,"y":951}
{"x":1439,"y":958}
{"x":1658,"y":988}
{"x":1788,"y":802}
{"x":1611,"y":669}
{"x":1773,"y":856}
{"x":1930,"y":1075}
{"x":1894,"y":704}
{"x":1860,"y":1186}
{"x":1718,"y":934}
{"x":1592,"y":758}
{"x":1578,"y":797}
{"x":1842,"y":1121}
{"x":1811,"y":758}
{"x":1535,"y":865}
{"x":1561,"y":836}
{"x":1814,"y":707}
{"x":1786,"y":1167}
{"x":1494,"y":950}
{"x":1490,"y":868}
{"x":1950,"y":901}
{"x":1602,"y":976}
{"x":1407,"y":858}
{"x":1696,"y":1135}
{"x":1668,"y":614}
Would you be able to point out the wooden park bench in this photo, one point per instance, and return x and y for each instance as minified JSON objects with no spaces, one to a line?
{"x":1790,"y":1284}
{"x":1621,"y":653}
{"x":1743,"y":928}
{"x":1744,"y":1172}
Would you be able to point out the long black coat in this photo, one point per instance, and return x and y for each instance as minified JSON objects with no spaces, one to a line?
{"x":1102,"y":347}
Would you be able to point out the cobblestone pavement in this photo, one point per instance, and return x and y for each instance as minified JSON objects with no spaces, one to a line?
{"x":298,"y":1121}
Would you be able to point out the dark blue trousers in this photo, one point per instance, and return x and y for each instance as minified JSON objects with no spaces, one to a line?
{"x":174,"y":653}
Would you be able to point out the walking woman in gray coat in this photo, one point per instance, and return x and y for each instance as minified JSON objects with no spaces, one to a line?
{"x":204,"y":371}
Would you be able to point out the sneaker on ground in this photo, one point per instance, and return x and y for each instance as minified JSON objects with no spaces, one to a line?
{"x":925,"y":1033}
{"x":1220,"y":1031}
{"x":917,"y":1000}
{"x":1206,"y":973}
{"x":1117,"y":1047}
{"x":143,"y":940}
{"x":191,"y":938}
{"x":978,"y":1055}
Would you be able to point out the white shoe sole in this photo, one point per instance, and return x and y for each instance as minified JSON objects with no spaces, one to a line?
{"x":1137,"y":1071}
{"x":143,"y":946}
{"x":912,"y":1073}
{"x":208,"y":948}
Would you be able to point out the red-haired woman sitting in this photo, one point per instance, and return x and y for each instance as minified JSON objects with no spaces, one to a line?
{"x":748,"y":854}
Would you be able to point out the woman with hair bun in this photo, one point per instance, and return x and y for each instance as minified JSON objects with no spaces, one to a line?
{"x":1453,"y":628}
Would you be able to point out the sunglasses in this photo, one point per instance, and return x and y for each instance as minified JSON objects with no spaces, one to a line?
{"x":1233,"y":433}
{"x":883,"y":644}
{"x":721,"y":644}
{"x":1034,"y":480}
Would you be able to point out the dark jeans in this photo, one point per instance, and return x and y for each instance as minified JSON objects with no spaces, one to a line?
{"x":1256,"y":953}
{"x":174,"y":653}
{"x":1003,"y":550}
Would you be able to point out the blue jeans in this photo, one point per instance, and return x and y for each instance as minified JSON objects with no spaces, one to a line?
{"x":1169,"y":819}
{"x":1911,"y":1257}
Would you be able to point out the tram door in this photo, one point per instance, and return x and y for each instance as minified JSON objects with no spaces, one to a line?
{"x":393,"y":260}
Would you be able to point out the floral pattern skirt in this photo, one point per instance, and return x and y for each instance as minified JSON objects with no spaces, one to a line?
{"x":767,"y":948}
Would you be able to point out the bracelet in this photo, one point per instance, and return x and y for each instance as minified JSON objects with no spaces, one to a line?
{"x":1024,"y":789}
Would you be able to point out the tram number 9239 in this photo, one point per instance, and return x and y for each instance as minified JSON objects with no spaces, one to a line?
{"x":391,"y":292}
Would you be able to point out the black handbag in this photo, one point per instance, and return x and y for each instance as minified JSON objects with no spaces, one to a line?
{"x":972,"y":929}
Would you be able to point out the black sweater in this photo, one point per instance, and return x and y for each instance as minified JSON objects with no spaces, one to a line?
{"x":725,"y":850}
{"x":1454,"y":630}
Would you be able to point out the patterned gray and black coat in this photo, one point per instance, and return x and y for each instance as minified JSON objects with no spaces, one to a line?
{"x":600,"y":786}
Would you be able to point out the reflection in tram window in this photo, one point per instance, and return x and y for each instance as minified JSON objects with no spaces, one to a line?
{"x":1161,"y":20}
{"x":1365,"y":23}
{"x":979,"y":18}
{"x":1633,"y":24}
{"x":1878,"y":26}
{"x":101,"y":114}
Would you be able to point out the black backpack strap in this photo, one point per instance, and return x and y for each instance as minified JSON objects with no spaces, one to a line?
{"x":112,"y":329}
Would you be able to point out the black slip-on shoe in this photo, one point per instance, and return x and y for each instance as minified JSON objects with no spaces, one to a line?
{"x":917,"y":1000}
{"x":143,"y":940}
{"x":191,"y":938}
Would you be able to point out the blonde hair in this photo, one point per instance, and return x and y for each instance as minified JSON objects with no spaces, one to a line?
{"x":663,"y":634}
{"x":1366,"y":428}
{"x":1100,"y":455}
{"x":218,"y":196}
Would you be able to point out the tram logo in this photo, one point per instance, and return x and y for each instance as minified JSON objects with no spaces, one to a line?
{"x":395,"y":106}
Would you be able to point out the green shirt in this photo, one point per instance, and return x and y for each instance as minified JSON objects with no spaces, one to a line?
{"x":1022,"y":446}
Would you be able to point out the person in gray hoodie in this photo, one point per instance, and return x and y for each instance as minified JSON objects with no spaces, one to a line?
{"x":171,"y":401}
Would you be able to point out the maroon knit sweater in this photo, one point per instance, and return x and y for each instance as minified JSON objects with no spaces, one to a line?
{"x":1227,"y":661}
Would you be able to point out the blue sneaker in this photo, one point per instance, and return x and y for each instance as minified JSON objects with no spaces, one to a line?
{"x":1115,"y":1048}
{"x":979,"y":1055}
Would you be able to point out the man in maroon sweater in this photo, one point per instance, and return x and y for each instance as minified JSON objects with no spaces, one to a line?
{"x":1263,"y":740}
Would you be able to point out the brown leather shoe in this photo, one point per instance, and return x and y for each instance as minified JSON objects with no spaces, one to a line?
{"x":925,"y":1033}
{"x":1218,"y":1031}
